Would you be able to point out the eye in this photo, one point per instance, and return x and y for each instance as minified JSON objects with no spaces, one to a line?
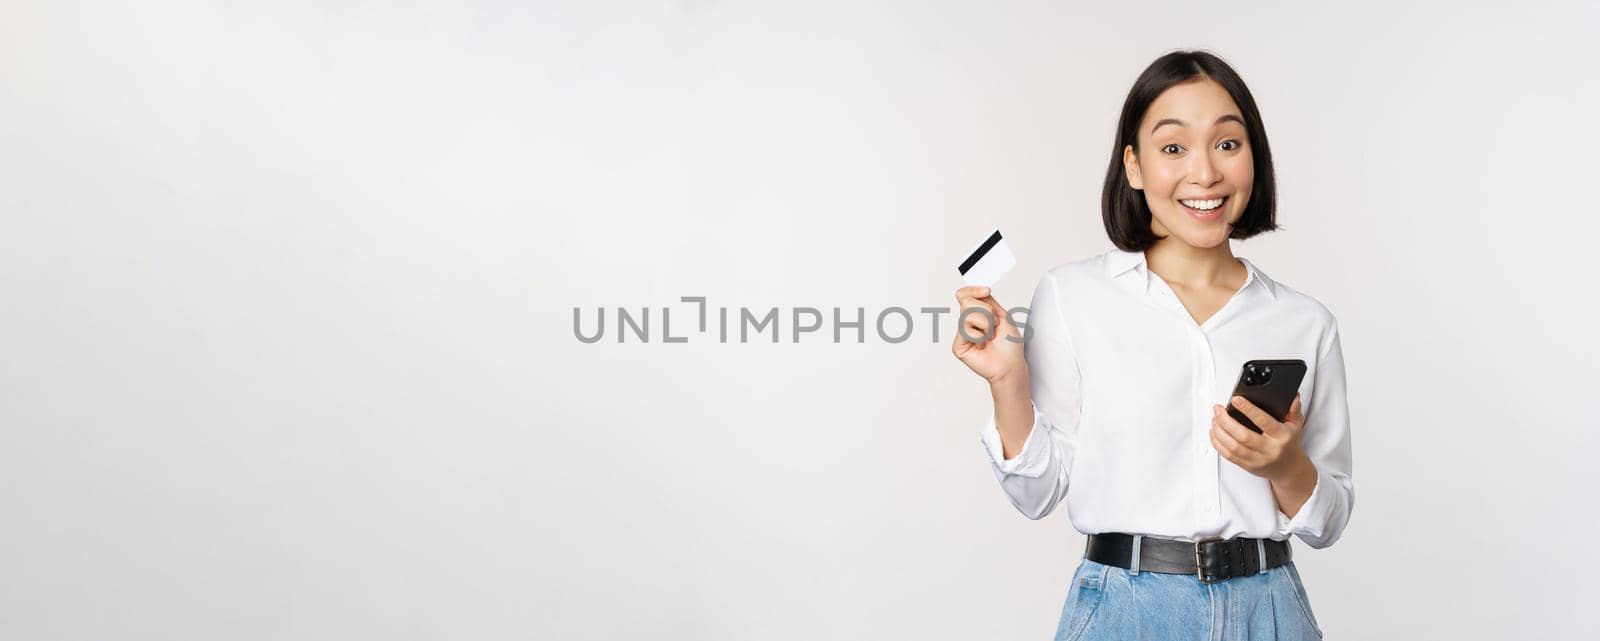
{"x":1171,"y":148}
{"x":1228,"y":145}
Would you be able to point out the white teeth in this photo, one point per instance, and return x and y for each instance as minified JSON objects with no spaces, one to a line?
{"x":1203,"y":205}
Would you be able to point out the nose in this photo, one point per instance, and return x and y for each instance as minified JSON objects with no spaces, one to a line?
{"x":1203,"y":171}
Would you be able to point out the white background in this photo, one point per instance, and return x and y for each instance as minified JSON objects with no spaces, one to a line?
{"x":286,"y":294}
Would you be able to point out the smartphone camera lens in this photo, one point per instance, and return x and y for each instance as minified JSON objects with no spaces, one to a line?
{"x":1257,"y":374}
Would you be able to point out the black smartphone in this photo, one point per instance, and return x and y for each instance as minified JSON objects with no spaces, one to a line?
{"x":1270,"y":385}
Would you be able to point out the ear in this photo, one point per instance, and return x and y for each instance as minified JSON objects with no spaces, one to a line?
{"x":1130,"y":166}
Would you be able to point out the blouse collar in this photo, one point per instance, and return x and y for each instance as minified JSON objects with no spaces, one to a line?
{"x":1119,"y":262}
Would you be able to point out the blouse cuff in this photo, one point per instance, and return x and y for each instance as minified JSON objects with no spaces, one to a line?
{"x":1031,"y":461}
{"x":1312,"y":518}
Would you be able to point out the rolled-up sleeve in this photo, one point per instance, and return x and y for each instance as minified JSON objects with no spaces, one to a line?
{"x":1326,"y":440}
{"x":1035,"y":480}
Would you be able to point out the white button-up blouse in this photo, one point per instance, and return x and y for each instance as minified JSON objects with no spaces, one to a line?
{"x":1123,"y":381}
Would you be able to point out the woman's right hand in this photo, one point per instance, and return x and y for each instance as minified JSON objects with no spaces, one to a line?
{"x":997,"y":359}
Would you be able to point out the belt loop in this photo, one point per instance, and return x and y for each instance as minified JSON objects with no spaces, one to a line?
{"x":1261,"y":553}
{"x":1133,"y":565}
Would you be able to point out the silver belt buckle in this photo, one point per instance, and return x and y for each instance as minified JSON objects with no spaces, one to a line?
{"x":1199,"y":563}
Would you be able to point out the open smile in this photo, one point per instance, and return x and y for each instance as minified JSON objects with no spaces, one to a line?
{"x":1207,"y":209}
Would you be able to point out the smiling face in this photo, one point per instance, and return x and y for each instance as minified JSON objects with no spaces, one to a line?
{"x":1193,"y":163}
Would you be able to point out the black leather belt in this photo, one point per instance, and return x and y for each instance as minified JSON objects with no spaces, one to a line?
{"x":1211,"y":560}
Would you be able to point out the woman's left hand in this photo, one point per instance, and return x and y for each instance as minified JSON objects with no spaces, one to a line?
{"x":1274,"y":454}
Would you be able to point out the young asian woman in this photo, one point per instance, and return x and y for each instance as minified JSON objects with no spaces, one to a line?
{"x":1114,"y":403}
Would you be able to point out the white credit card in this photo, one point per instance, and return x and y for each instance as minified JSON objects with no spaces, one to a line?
{"x":988,"y":261}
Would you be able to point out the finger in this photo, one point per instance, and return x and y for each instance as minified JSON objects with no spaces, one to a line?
{"x":988,"y":302}
{"x":969,"y":301}
{"x":1002,"y":318}
{"x":972,"y":291}
{"x":1294,"y":411}
{"x":977,"y":318}
{"x":1233,"y":428}
{"x":968,"y":297}
{"x":966,"y":300}
{"x":977,"y":295}
{"x":976,"y":324}
{"x":1257,"y":415}
{"x":1226,"y":445}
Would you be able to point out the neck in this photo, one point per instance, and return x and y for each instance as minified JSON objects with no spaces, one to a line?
{"x":1193,"y":267}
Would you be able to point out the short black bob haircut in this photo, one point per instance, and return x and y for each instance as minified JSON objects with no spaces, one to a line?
{"x":1124,"y":210}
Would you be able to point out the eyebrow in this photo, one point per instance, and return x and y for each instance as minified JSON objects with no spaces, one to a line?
{"x":1180,"y":123}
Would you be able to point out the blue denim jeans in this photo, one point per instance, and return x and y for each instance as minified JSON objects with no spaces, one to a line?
{"x":1107,"y":602}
